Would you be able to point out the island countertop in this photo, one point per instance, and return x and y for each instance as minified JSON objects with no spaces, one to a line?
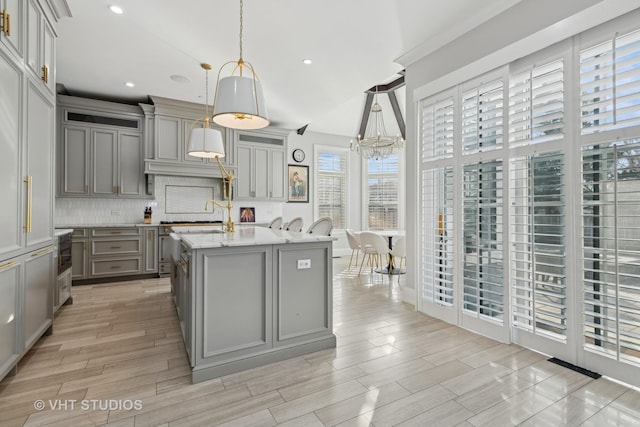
{"x":249,"y":236}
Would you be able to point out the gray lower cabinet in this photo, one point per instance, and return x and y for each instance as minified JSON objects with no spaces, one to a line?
{"x":115,"y":251}
{"x":10,"y":275}
{"x":246,"y":306}
{"x":79,"y":254}
{"x":150,"y":249}
{"x":26,"y":306}
{"x":103,"y":252}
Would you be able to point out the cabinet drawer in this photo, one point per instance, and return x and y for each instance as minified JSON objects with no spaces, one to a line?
{"x":115,"y":247}
{"x":114,"y":267}
{"x":79,"y":233}
{"x":115,"y":231}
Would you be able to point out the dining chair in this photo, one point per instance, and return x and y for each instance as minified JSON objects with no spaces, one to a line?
{"x":399,"y":251}
{"x":353,"y":239}
{"x":321,"y":226}
{"x":374,"y":246}
{"x":276,"y":223}
{"x":295,"y":224}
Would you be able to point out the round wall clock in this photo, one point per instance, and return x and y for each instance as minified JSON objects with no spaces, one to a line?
{"x":298,"y":155}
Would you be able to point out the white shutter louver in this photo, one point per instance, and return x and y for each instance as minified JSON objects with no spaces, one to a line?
{"x":437,"y":130}
{"x":610,"y":84}
{"x":611,"y":249}
{"x":331,"y":176}
{"x":382,"y":185}
{"x":538,"y":278}
{"x":483,"y":251}
{"x":482,"y":118}
{"x":536,"y":105}
{"x":437,"y":236}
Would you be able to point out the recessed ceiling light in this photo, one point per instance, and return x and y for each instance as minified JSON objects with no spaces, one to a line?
{"x":178,"y":78}
{"x":307,"y":61}
{"x":129,"y":84}
{"x":116,"y":9}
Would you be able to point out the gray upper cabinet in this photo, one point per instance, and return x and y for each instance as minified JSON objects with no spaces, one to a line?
{"x":100,"y":150}
{"x":173,"y":121}
{"x":40,"y":46}
{"x":261,"y":166}
{"x":12,"y":31}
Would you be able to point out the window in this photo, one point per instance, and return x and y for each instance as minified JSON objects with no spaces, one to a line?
{"x":482,"y":111}
{"x":483,"y":250}
{"x":538,"y":278}
{"x":610,"y":84}
{"x":611,"y":248}
{"x":536,"y":105}
{"x":331,"y":186}
{"x":437,"y":236}
{"x":437,"y":130}
{"x":382,"y":192}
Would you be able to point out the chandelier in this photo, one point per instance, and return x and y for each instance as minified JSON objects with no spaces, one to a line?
{"x":376,"y":143}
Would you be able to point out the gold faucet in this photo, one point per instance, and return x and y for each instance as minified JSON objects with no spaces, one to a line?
{"x":227,"y":180}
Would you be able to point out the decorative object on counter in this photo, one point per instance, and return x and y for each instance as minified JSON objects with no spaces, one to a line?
{"x":147,"y":215}
{"x":247,"y":214}
{"x":298,"y":183}
{"x":238,"y":102}
{"x":373,"y":141}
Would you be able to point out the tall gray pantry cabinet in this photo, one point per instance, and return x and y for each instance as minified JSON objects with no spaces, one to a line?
{"x":27,"y":129}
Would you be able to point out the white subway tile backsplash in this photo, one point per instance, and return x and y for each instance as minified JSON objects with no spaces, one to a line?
{"x":169,"y":204}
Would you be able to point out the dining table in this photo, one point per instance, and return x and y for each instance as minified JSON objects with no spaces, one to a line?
{"x":390,"y":235}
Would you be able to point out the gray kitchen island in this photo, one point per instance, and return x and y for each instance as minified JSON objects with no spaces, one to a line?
{"x":253,"y":297}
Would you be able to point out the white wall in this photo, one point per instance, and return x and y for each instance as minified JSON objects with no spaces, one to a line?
{"x":307,"y":142}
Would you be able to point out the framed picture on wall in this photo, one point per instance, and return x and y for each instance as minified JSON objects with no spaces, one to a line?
{"x":298,"y":183}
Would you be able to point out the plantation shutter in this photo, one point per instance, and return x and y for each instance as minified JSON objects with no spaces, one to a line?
{"x":483,"y":286}
{"x":538,"y":244}
{"x":331,"y":176}
{"x":611,"y":249}
{"x":536,"y":105}
{"x":382,"y":185}
{"x":437,"y":130}
{"x":610,"y":84}
{"x":437,"y":236}
{"x":482,"y":118}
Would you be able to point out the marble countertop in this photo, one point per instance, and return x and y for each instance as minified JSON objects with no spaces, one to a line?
{"x":62,"y":231}
{"x":250,"y":236}
{"x":153,"y":224}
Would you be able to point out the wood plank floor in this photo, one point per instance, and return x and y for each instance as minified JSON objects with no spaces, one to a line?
{"x":119,"y":345}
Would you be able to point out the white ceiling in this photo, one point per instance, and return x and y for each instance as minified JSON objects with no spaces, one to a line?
{"x":353,"y":45}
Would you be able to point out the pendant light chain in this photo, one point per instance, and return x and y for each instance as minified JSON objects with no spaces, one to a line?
{"x":241,"y":28}
{"x":206,"y":95}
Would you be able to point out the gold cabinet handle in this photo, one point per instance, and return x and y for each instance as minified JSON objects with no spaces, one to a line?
{"x":42,"y":252}
{"x":9,"y":264}
{"x":115,"y":267}
{"x":29,"y":182}
{"x":116,"y":247}
{"x":116,"y":232}
{"x":45,"y":74}
{"x":6,"y":22}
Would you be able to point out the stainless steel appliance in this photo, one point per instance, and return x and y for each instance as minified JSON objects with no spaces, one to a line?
{"x":62,"y":294}
{"x":64,"y":253}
